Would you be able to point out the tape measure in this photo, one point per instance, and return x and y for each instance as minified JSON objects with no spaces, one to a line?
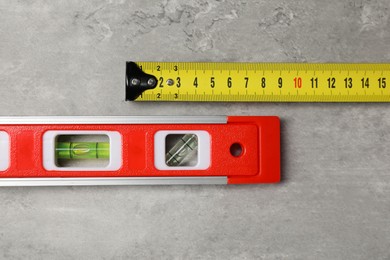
{"x":257,"y":82}
{"x":57,"y":151}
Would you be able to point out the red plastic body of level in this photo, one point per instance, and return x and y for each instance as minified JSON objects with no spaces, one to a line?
{"x":258,"y":163}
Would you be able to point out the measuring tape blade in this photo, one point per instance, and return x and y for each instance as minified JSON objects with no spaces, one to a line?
{"x":257,"y":82}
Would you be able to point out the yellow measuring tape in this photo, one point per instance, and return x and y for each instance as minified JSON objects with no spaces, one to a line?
{"x":258,"y":82}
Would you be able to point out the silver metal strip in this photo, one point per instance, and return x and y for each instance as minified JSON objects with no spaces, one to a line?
{"x":39,"y":120}
{"x":13,"y":182}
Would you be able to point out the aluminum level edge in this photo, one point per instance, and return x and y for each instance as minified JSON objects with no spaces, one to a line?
{"x":49,"y":120}
{"x":14,"y":182}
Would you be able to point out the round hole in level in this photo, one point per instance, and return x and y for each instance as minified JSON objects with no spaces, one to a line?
{"x":236,"y":149}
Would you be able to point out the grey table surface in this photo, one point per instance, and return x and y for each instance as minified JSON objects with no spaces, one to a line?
{"x":68,"y":58}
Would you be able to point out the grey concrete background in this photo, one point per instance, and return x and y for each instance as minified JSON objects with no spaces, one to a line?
{"x":68,"y":58}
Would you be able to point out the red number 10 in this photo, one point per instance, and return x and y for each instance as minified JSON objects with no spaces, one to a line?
{"x":298,"y":82}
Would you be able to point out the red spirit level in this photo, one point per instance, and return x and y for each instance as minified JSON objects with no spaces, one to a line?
{"x":57,"y":151}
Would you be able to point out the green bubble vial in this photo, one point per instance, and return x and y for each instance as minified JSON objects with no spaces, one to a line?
{"x":82,"y":150}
